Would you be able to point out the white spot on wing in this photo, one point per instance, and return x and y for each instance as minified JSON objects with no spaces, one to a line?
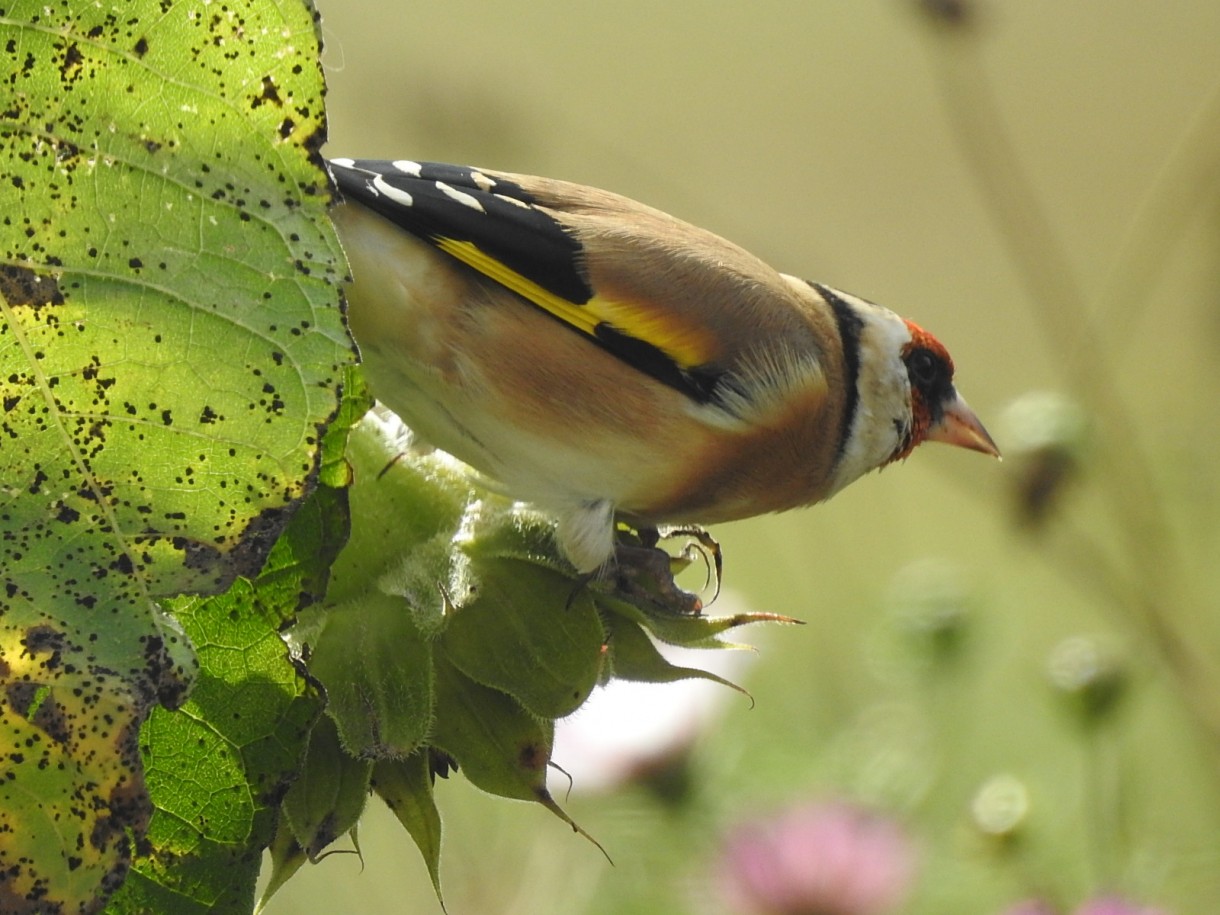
{"x":461,"y":197}
{"x":507,"y":199}
{"x":344,"y":162}
{"x":483,"y":181}
{"x":399,"y":196}
{"x":407,"y":167}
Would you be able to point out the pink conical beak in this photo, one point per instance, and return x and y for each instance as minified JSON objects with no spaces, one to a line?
{"x":959,"y":426}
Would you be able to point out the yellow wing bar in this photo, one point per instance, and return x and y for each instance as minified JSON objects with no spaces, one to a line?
{"x":686,"y":345}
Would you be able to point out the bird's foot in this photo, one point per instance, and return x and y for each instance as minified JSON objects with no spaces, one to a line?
{"x":643,"y":570}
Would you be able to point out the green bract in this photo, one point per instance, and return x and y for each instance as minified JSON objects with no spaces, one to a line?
{"x":452,"y":634}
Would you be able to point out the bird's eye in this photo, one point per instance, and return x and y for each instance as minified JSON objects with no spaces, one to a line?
{"x":924,"y":368}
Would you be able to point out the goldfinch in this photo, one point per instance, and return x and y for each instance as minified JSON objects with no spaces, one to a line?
{"x":604,"y":360}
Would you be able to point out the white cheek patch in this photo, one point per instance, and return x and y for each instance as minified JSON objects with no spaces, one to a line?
{"x":883,"y":411}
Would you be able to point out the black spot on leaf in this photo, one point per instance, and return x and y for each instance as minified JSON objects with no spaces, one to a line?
{"x":22,"y":286}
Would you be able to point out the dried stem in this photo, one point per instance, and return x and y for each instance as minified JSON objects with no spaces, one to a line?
{"x":1076,"y":340}
{"x":1186,"y":184}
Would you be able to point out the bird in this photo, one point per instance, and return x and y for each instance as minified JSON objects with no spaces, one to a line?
{"x":608,"y":362}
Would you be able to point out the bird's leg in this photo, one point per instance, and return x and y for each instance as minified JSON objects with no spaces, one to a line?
{"x":645,"y":570}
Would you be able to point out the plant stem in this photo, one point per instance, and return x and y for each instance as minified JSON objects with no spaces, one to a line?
{"x":1076,"y":340}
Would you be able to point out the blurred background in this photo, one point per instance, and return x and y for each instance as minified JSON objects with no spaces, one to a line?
{"x":1008,"y":684}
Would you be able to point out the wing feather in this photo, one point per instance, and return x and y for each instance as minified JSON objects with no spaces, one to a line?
{"x":676,"y":302}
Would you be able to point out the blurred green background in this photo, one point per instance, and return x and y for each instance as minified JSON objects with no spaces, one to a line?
{"x":843,"y":140}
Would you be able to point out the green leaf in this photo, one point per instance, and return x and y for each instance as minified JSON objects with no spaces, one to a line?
{"x":686,"y":630}
{"x":500,"y":747}
{"x":170,"y":348}
{"x":328,"y":795}
{"x":53,"y":751}
{"x":371,"y":642}
{"x":528,"y":632}
{"x":287,"y":857}
{"x":633,"y":656}
{"x":297,"y":571}
{"x":505,"y":530}
{"x":376,"y":665}
{"x":406,"y":510}
{"x":217,"y":766}
{"x":335,"y":470}
{"x":406,"y":787}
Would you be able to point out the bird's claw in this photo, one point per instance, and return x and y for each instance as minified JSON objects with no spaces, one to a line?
{"x":644,"y":570}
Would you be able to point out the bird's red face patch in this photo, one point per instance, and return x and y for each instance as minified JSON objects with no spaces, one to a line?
{"x":921,"y":338}
{"x":930,"y":370}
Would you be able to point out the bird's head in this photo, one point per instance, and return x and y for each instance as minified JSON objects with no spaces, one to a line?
{"x":937,"y":412}
{"x":904,"y":392}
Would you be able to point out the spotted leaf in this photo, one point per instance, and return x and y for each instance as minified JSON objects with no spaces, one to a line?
{"x":170,"y":349}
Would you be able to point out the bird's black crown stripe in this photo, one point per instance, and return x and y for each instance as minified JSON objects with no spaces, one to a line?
{"x":524,"y":238}
{"x":850,"y":326}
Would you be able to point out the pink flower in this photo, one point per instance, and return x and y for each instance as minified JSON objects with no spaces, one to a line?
{"x":821,"y":858}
